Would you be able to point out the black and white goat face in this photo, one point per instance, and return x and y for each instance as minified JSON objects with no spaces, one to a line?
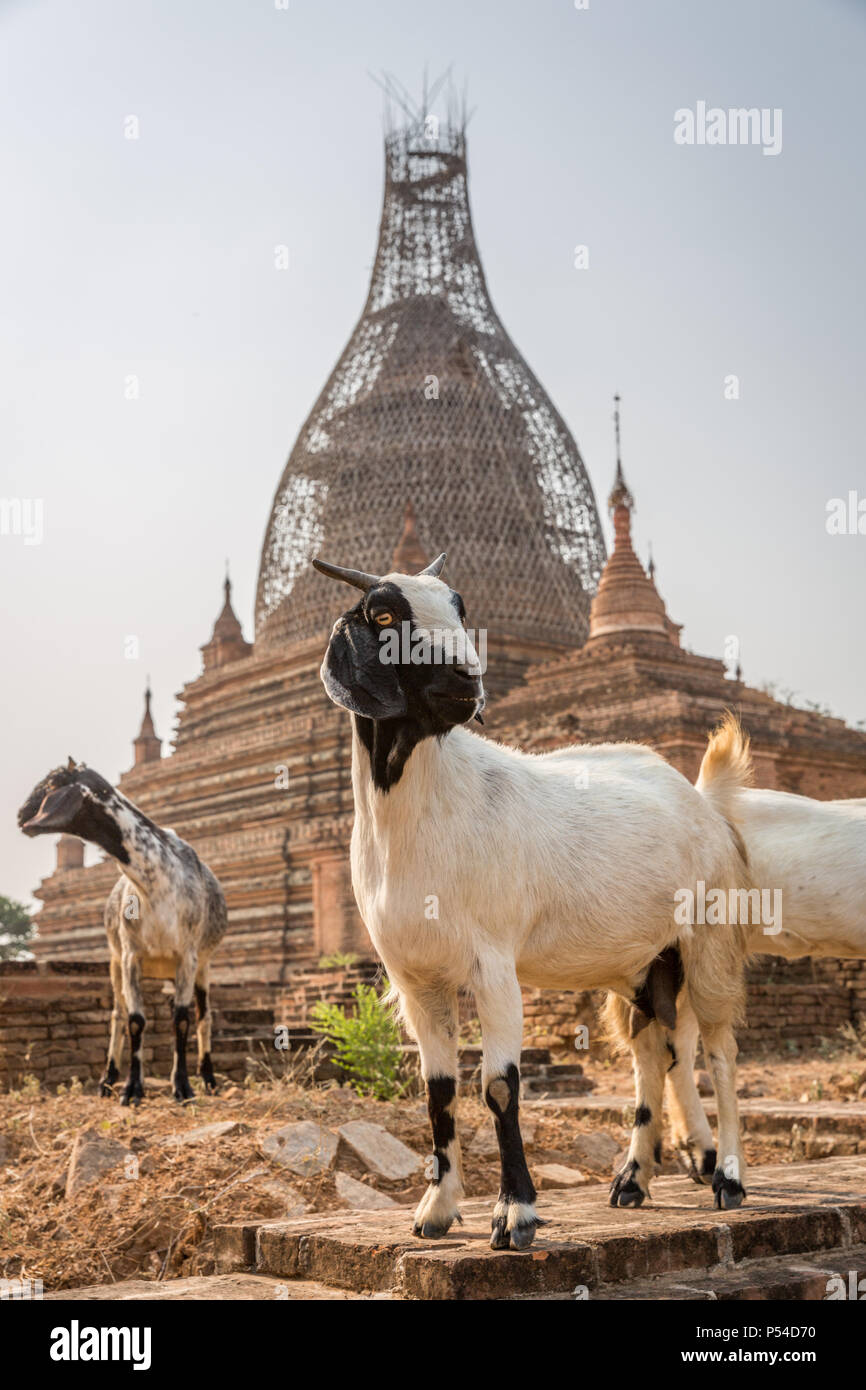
{"x":403,"y":652}
{"x":74,"y":800}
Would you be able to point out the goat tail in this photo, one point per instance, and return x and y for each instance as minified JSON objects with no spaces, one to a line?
{"x":616,"y":1021}
{"x":726,"y":767}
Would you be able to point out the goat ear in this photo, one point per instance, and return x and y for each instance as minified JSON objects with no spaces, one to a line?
{"x":355,"y":676}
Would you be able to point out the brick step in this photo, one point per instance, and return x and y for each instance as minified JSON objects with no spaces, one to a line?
{"x":243,"y":1018}
{"x":779,"y":1278}
{"x":758,"y":1115}
{"x":807,"y":1279}
{"x":813,"y":1210}
{"x":530,"y":1056}
{"x":541,"y":1086}
{"x":297,"y":1037}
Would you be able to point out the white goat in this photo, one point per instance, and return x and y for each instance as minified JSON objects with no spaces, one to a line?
{"x":813,"y":855}
{"x":165,"y":916}
{"x":479,"y":867}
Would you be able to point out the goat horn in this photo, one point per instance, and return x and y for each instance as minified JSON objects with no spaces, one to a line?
{"x":435,"y":569}
{"x":356,"y":577}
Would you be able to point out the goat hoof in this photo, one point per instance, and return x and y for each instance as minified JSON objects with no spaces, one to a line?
{"x":629,"y":1195}
{"x":131,"y":1096}
{"x":624,"y":1191}
{"x":108,"y":1079}
{"x":518,"y":1238}
{"x":499,"y":1237}
{"x":206,"y":1072}
{"x":513,"y":1225}
{"x":183,"y":1092}
{"x":431,"y":1230}
{"x":521,"y":1237}
{"x":728,"y":1193}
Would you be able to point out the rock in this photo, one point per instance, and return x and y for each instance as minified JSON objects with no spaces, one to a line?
{"x":304,"y":1148}
{"x":861,"y":1094}
{"x":360,"y":1197}
{"x":92,"y":1155}
{"x":220,"y":1129}
{"x":293,"y":1202}
{"x":379,"y":1151}
{"x":805,"y":1098}
{"x":557,"y":1175}
{"x":596,"y":1149}
{"x":485,"y":1142}
{"x":848,"y":1085}
{"x":704,"y":1083}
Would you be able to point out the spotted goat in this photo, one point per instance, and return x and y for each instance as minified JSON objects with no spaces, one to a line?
{"x":481,"y":868}
{"x":165,"y":916}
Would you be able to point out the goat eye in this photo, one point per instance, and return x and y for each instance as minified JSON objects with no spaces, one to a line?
{"x":383,"y":619}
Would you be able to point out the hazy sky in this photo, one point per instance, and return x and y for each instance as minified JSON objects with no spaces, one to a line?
{"x":153,"y":259}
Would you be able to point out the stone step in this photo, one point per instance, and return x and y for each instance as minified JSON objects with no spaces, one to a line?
{"x":536,"y":1087}
{"x":794,"y":1210}
{"x":835,"y":1273}
{"x":804,"y":1279}
{"x":758,"y":1115}
{"x":471,"y":1055}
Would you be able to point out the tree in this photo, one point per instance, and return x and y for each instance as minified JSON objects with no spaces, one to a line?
{"x":16,"y":929}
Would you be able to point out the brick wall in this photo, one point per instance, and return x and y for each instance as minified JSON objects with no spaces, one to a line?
{"x":54,"y":1024}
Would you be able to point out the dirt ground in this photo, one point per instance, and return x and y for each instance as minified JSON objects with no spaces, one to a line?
{"x":159,"y":1223}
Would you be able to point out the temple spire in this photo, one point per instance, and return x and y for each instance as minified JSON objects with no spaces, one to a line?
{"x":627,"y":600}
{"x":148,"y":747}
{"x":619,"y":494}
{"x":227,"y":643}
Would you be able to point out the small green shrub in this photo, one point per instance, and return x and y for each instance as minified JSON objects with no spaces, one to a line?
{"x":853,"y":1037}
{"x":28,"y":1087}
{"x":367,"y":1043}
{"x":340,"y":960}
